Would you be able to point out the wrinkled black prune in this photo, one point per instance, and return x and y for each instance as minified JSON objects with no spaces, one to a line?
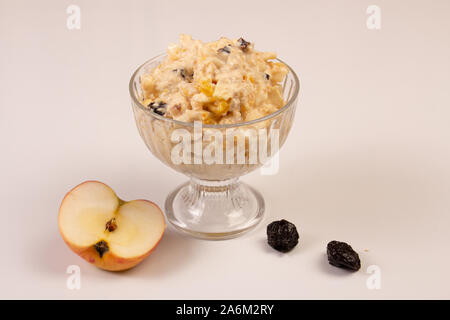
{"x":282,"y":235}
{"x":158,"y":107}
{"x":101,"y":247}
{"x":342,"y":255}
{"x":243,"y":44}
{"x":225,"y":49}
{"x":267,"y":76}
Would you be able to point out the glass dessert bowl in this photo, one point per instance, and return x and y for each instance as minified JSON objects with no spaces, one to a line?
{"x":213,"y":204}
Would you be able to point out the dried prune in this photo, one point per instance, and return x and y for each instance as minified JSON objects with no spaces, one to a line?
{"x":342,"y":255}
{"x":101,"y":247}
{"x":158,"y":107}
{"x":267,"y":76}
{"x":243,"y":44}
{"x":282,"y":235}
{"x":225,"y":49}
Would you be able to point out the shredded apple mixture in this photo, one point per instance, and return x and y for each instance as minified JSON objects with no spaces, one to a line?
{"x":225,"y":81}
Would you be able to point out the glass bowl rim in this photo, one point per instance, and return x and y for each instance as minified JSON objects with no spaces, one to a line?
{"x":288,"y":104}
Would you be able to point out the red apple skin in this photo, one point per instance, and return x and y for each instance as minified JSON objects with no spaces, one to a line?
{"x":109,"y":261}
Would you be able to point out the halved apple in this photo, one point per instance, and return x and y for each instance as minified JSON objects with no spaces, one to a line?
{"x":112,"y":234}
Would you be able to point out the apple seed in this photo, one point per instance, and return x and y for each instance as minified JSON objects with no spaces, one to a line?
{"x":101,"y":247}
{"x":111,"y":225}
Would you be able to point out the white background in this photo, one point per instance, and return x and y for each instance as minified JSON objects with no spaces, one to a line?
{"x":367,"y":161}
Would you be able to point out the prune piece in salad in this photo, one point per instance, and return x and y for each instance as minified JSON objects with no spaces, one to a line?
{"x":282,"y":235}
{"x":243,"y":44}
{"x":185,"y":74}
{"x":225,"y":49}
{"x":342,"y":255}
{"x":158,"y":107}
{"x":267,"y":76}
{"x":160,"y":111}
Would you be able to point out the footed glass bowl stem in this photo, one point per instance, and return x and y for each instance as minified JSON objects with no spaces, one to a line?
{"x":214,"y":209}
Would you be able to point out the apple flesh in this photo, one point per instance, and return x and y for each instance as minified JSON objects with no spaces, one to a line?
{"x":106,"y":231}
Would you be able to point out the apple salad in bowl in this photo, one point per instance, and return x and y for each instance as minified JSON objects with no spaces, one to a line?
{"x":214,"y":112}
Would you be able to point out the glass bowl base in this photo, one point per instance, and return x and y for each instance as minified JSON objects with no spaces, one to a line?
{"x":214,"y":210}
